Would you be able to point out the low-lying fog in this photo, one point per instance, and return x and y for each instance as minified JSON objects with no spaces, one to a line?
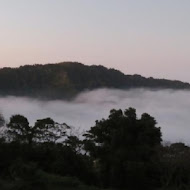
{"x":171,"y":109}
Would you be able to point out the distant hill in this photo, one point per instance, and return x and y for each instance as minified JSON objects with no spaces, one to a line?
{"x":65,"y":80}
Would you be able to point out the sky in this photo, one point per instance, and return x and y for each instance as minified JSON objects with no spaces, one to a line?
{"x":149,"y":37}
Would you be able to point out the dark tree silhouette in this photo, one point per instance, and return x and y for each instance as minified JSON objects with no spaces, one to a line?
{"x":121,"y":152}
{"x":44,"y":130}
{"x":65,"y":80}
{"x":124,"y":148}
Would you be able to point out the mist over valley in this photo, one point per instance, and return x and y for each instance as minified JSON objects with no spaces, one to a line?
{"x":94,"y":95}
{"x":169,"y":107}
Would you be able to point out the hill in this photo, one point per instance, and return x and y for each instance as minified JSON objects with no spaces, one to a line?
{"x":65,"y":80}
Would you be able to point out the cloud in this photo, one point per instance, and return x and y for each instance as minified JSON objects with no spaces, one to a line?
{"x":170,"y":108}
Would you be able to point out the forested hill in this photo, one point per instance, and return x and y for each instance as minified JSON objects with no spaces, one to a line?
{"x":64,"y":80}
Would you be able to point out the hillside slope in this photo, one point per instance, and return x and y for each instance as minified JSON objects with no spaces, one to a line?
{"x":64,"y":80}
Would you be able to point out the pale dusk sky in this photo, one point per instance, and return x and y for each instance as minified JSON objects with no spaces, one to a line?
{"x":147,"y":37}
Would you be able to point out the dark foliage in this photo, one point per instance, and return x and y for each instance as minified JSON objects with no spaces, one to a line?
{"x":65,"y":80}
{"x":125,"y":148}
{"x":120,"y":152}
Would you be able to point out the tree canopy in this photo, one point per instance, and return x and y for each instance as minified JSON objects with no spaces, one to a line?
{"x":123,"y":151}
{"x":44,"y":130}
{"x":65,"y":80}
{"x":123,"y":144}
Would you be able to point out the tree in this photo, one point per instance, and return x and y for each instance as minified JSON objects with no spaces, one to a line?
{"x":2,"y":122}
{"x":47,"y":130}
{"x":18,"y":129}
{"x":123,"y":148}
{"x":44,"y":130}
{"x":175,"y":166}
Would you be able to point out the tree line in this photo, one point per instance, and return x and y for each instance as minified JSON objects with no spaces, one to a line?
{"x":67,"y":79}
{"x":120,"y":152}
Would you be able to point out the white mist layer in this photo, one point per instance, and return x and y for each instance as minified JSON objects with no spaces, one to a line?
{"x":171,"y":109}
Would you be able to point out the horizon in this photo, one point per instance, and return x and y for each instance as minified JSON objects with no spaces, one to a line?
{"x":120,"y":35}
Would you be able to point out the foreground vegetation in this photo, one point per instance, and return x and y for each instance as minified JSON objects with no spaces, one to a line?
{"x":65,"y":80}
{"x":120,"y":152}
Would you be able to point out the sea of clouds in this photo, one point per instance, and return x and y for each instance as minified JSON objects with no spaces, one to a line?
{"x":170,"y":108}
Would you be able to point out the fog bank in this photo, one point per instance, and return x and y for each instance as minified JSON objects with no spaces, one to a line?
{"x":170,"y":108}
